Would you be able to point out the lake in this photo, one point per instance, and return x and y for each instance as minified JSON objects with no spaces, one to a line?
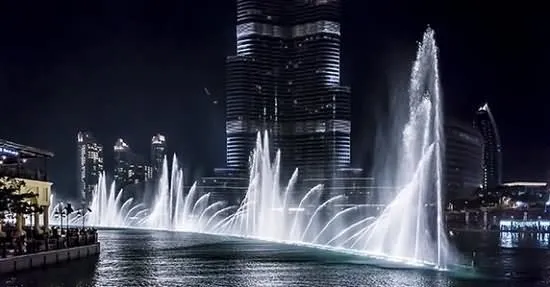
{"x":157,"y":258}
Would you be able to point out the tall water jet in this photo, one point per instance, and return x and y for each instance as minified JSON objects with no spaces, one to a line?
{"x":160,"y":216}
{"x":106,"y":207}
{"x":170,"y":209}
{"x":404,"y":229}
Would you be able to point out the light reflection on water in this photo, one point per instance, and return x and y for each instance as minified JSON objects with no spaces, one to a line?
{"x":524,"y":240}
{"x":142,"y":258}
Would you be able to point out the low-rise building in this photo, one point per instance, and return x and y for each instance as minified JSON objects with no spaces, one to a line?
{"x":28,"y":164}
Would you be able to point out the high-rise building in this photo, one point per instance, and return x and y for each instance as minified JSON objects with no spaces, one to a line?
{"x":463,"y":160}
{"x":158,"y":153}
{"x":90,"y":165}
{"x":285,"y":78}
{"x":492,"y":149}
{"x":130,"y":168}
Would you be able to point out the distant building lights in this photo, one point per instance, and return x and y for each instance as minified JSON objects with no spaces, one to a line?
{"x":4,"y":150}
{"x":120,"y":145}
{"x":158,"y":139}
{"x":507,"y":224}
{"x":520,"y":183}
{"x":520,"y":204}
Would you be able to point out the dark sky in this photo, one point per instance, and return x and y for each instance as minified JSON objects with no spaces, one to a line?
{"x":133,"y":68}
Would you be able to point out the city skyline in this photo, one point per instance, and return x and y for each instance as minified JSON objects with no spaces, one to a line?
{"x":126,"y":167}
{"x":125,"y":67}
{"x":274,"y":142}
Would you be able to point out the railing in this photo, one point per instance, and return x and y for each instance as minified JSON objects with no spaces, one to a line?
{"x":34,"y":243}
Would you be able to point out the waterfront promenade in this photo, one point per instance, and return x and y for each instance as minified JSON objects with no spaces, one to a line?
{"x":32,"y":249}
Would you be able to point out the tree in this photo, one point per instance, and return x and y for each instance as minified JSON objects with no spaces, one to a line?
{"x":12,"y":201}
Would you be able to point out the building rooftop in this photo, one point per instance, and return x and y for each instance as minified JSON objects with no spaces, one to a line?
{"x":22,"y":161}
{"x":11,"y":149}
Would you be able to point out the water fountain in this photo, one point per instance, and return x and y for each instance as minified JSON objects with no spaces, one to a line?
{"x":403,"y":229}
{"x":172,"y":208}
{"x":402,"y":232}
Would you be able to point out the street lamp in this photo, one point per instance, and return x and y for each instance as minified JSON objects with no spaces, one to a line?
{"x":56,"y":215}
{"x":64,"y":214}
{"x":82,"y":212}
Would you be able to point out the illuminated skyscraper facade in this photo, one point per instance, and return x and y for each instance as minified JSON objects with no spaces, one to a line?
{"x":90,"y":165}
{"x":463,"y":159}
{"x":130,"y":168}
{"x":158,"y":153}
{"x":285,"y":78}
{"x":492,"y":149}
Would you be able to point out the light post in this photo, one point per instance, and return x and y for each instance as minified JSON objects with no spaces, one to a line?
{"x":57,"y":215}
{"x":84,"y":212}
{"x":62,"y":216}
{"x":67,"y":211}
{"x":60,"y":211}
{"x":80,"y":213}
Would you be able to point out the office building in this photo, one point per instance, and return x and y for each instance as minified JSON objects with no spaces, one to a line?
{"x":130,"y":168}
{"x":158,"y":153}
{"x":285,"y":78}
{"x":492,"y":149}
{"x":90,"y":165}
{"x":463,"y":160}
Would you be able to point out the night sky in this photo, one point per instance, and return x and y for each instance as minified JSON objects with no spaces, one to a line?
{"x":134,"y":68}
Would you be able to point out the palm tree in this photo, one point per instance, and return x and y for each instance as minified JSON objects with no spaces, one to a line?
{"x":13,"y":201}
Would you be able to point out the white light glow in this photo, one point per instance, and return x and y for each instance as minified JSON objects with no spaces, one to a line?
{"x":524,"y":183}
{"x":9,"y":151}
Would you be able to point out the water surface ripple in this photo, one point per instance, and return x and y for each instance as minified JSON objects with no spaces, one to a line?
{"x":155,"y":258}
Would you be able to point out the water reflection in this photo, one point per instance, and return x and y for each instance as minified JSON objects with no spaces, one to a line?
{"x":74,"y":273}
{"x":524,"y":240}
{"x":152,"y":258}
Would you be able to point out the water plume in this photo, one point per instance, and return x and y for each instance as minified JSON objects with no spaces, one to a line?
{"x":403,"y":231}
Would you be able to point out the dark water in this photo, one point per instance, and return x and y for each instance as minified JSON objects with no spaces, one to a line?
{"x":153,"y":258}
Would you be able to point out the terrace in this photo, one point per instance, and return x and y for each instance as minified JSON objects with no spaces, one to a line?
{"x":23,"y":162}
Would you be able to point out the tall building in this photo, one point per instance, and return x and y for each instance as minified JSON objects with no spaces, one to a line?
{"x":463,"y":160}
{"x":130,"y":168}
{"x":90,"y":165}
{"x":492,"y":149}
{"x":285,"y":78}
{"x":158,"y":153}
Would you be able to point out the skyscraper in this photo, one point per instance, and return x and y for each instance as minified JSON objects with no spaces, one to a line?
{"x":285,"y":78}
{"x":492,"y":149}
{"x":90,"y":165}
{"x":463,"y":159}
{"x":130,"y":168}
{"x":158,"y":152}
